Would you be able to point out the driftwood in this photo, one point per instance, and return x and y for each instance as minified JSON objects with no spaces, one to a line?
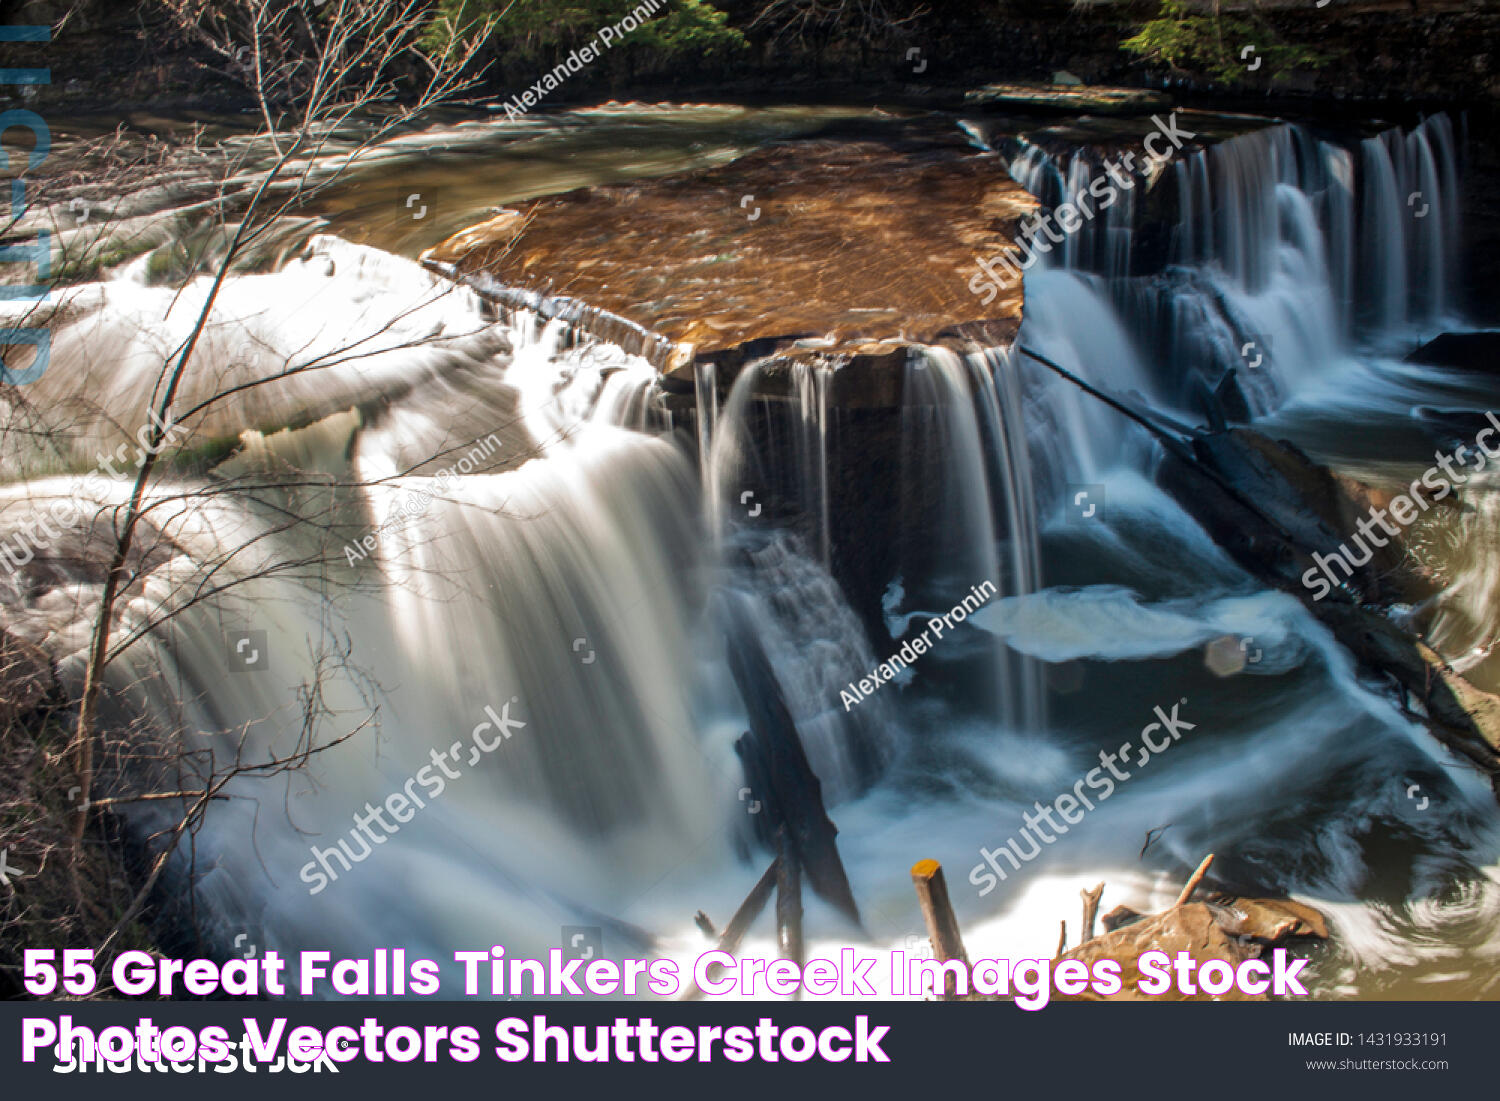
{"x":1090,"y":909}
{"x":1195,"y":879}
{"x":739,"y":925}
{"x":1226,"y":928}
{"x":937,"y":914}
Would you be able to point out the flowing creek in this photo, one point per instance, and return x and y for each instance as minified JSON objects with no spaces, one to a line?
{"x":585,"y":569}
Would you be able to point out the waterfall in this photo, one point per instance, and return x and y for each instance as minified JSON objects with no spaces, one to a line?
{"x":1409,"y":225}
{"x":630,"y":400}
{"x":787,"y":601}
{"x":493,"y":520}
{"x":1071,"y":319}
{"x":1283,"y":247}
{"x":1382,"y":239}
{"x":1032,"y":167}
{"x":810,"y":382}
{"x":963,"y":458}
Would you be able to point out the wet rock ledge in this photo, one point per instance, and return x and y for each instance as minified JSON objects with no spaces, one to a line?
{"x":849,"y":245}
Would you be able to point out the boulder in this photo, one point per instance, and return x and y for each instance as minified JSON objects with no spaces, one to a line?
{"x":1460,"y":351}
{"x":1272,"y":508}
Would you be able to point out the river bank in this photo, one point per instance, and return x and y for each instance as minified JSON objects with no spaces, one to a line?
{"x":125,"y":58}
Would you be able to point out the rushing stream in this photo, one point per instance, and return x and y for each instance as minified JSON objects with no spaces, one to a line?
{"x":552,"y":550}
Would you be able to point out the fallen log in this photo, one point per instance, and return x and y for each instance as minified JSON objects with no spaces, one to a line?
{"x":1315,"y":511}
{"x":1274,"y":510}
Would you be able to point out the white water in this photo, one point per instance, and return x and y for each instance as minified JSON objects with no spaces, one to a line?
{"x":575,"y":573}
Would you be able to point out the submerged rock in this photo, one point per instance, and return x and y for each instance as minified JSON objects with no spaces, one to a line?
{"x":853,"y":244}
{"x":1460,"y":351}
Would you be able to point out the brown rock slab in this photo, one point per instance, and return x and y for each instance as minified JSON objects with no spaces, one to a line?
{"x":1269,"y":919}
{"x":833,"y":246}
{"x":1071,"y":97}
{"x":1192,"y":928}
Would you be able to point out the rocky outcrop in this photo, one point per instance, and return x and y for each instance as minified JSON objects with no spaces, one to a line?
{"x":850,"y":245}
{"x":1225,"y":927}
{"x":1272,"y":508}
{"x":1460,"y":351}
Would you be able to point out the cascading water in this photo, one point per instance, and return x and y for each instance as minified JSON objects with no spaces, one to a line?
{"x":1262,"y":281}
{"x":960,"y":465}
{"x":541,"y":551}
{"x":1290,"y":256}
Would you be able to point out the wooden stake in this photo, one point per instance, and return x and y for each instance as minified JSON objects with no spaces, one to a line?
{"x":1195,"y":879}
{"x":1090,"y":911}
{"x":937,"y":913}
{"x":788,"y":901}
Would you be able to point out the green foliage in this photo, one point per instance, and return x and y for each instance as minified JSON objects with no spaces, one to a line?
{"x":690,"y":27}
{"x":536,"y":28}
{"x":1212,"y":44}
